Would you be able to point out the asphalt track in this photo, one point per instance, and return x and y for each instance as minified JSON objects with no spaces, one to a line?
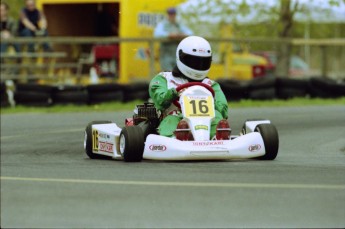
{"x":48,"y":182}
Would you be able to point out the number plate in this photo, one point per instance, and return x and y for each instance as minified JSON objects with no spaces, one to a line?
{"x":198,"y":106}
{"x":94,"y":140}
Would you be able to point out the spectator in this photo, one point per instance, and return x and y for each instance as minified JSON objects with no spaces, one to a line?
{"x":33,"y":23}
{"x":8,"y":27}
{"x":173,"y":30}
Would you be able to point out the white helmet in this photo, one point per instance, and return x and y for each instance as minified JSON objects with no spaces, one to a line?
{"x":193,"y":57}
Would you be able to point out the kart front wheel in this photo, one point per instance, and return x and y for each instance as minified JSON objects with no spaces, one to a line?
{"x":88,"y":140}
{"x":270,"y":137}
{"x":244,"y":131}
{"x":132,"y":143}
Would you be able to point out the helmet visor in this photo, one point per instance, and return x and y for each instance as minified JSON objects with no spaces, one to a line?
{"x":200,"y":63}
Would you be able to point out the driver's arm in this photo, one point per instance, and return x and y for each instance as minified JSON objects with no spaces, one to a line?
{"x":160,"y":94}
{"x":220,"y":102}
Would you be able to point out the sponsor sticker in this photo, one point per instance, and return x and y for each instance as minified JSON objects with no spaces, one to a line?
{"x":190,"y":97}
{"x":105,"y":136}
{"x":211,"y":143}
{"x":158,"y":148}
{"x":201,"y":127}
{"x":106,"y":147}
{"x":149,"y":19}
{"x":254,"y":148}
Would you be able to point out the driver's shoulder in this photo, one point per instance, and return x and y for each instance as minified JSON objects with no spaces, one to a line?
{"x":208,"y":81}
{"x":159,"y":78}
{"x":165,"y":74}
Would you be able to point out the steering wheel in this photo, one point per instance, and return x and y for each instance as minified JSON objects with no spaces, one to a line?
{"x":186,"y":85}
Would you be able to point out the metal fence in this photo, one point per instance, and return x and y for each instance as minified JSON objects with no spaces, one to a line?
{"x":325,"y":56}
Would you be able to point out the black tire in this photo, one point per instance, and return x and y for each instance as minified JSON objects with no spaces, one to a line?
{"x":70,"y":94}
{"x":3,"y":88}
{"x":289,"y":88}
{"x":31,"y":98}
{"x":326,"y":88}
{"x":262,"y":83}
{"x":270,"y":136}
{"x":263,"y":94}
{"x":95,"y":98}
{"x":132,"y":143}
{"x":71,"y":97}
{"x":289,"y":93}
{"x":102,"y":88}
{"x":138,"y":86}
{"x":139,"y":95}
{"x":69,"y":88}
{"x":136,"y":91}
{"x":4,"y":96}
{"x":88,"y":140}
{"x":34,"y":87}
{"x":262,"y":88}
{"x":292,"y":83}
{"x":234,"y":90}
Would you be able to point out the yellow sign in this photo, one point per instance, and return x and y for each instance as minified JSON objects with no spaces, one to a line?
{"x":94,"y":140}
{"x":198,"y":106}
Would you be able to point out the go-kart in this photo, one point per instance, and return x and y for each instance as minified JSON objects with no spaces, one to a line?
{"x":139,"y":139}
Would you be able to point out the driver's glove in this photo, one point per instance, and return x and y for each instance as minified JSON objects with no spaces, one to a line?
{"x":169,"y":96}
{"x":173,"y":93}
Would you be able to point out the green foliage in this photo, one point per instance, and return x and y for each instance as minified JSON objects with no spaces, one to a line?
{"x":207,"y":17}
{"x":213,"y":14}
{"x":15,"y":7}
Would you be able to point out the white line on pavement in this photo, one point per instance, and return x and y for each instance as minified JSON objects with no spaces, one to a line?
{"x":180,"y":184}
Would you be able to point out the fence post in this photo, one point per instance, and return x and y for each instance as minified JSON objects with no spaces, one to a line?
{"x":152,"y":58}
{"x":324,"y":67}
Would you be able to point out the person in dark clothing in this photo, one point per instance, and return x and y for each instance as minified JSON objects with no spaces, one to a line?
{"x":33,"y":23}
{"x":8,"y":27}
{"x":175,"y":31}
{"x":106,"y":23}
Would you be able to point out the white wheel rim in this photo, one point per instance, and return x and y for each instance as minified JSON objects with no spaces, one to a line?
{"x":85,"y":139}
{"x":122,"y":144}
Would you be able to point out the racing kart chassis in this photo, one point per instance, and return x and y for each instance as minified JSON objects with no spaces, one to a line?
{"x":139,"y":140}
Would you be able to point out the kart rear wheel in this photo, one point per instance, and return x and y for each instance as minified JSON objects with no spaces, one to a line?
{"x":269,"y":134}
{"x":88,"y":140}
{"x":132,"y":143}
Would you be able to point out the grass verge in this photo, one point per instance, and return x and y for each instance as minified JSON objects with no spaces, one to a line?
{"x":118,"y":106}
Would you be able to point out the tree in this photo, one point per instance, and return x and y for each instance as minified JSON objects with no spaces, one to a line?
{"x":263,"y":18}
{"x":284,"y":50}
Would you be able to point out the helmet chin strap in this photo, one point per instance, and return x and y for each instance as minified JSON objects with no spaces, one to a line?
{"x":176,"y":72}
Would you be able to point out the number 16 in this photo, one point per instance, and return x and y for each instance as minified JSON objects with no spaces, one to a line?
{"x":202,"y":107}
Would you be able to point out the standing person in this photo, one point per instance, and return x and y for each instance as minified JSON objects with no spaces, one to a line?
{"x":192,"y":63}
{"x":8,"y":27}
{"x":33,"y":23}
{"x":175,"y":31}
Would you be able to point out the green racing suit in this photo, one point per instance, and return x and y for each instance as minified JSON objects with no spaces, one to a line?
{"x":163,"y":92}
